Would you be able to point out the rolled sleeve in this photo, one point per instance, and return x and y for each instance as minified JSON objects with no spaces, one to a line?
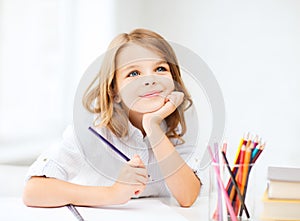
{"x":44,"y":166}
{"x":190,"y":156}
{"x":62,"y":161}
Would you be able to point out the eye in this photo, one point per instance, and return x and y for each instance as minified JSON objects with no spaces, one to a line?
{"x":133,"y":74}
{"x":161,"y":69}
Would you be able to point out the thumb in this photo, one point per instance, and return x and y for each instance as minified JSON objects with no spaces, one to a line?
{"x":136,"y":161}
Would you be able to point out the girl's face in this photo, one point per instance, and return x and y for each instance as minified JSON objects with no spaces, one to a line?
{"x":143,"y":79}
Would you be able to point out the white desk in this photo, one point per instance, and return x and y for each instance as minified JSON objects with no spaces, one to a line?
{"x":12,"y":208}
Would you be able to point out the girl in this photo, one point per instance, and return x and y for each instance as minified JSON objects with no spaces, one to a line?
{"x":139,"y":103}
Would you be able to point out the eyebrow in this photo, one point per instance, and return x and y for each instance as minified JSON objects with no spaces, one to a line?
{"x":137,"y":66}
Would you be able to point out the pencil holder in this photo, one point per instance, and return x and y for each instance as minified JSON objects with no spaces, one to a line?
{"x":232,"y":192}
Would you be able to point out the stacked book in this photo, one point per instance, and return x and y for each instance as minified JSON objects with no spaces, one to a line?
{"x":281,"y":200}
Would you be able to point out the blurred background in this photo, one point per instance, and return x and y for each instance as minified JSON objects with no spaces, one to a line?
{"x":252,"y":47}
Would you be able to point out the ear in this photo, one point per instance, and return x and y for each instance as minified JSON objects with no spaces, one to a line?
{"x":117,"y":99}
{"x":114,"y":93}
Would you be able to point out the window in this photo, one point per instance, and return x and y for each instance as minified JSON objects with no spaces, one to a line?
{"x":45,"y":47}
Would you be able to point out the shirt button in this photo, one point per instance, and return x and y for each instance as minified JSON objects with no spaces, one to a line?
{"x":45,"y":159}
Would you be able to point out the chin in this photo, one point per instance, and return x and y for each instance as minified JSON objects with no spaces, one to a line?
{"x":149,"y":108}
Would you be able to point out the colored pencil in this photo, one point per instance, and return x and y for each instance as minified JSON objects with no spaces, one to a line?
{"x":113,"y":147}
{"x":228,"y":204}
{"x":75,"y":212}
{"x":109,"y":144}
{"x":235,"y":184}
{"x":219,"y":207}
{"x":222,"y":162}
{"x":261,"y":148}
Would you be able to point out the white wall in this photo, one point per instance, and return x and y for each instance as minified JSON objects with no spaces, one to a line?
{"x":253,"y":49}
{"x":45,"y":46}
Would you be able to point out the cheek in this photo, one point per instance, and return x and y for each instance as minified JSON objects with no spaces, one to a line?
{"x":128,"y":93}
{"x":169,"y":84}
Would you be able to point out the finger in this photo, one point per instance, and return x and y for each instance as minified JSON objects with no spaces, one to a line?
{"x":139,"y":190}
{"x":140,"y":162}
{"x":141,"y":172}
{"x":136,"y":162}
{"x":176,"y":98}
{"x":168,"y":108}
{"x":141,"y":180}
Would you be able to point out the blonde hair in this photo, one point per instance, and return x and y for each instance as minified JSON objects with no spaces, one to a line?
{"x":99,"y":96}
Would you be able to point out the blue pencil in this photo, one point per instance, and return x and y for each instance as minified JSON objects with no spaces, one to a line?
{"x":75,"y":212}
{"x":113,"y":147}
{"x":109,"y":144}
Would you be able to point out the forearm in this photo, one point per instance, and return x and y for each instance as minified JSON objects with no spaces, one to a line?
{"x":179,"y":177}
{"x":50,"y":192}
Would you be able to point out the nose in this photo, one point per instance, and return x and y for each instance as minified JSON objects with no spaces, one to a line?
{"x":149,"y":80}
{"x":150,"y":83}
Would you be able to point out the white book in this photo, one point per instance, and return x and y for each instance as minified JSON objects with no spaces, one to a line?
{"x":283,"y":183}
{"x":290,"y":174}
{"x":283,"y":190}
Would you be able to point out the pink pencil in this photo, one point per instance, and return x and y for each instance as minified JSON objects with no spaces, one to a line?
{"x":227,"y":200}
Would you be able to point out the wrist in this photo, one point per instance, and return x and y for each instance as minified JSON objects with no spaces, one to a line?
{"x":151,"y":122}
{"x":155,"y":135}
{"x":93,"y":196}
{"x":119,"y":194}
{"x":113,"y":194}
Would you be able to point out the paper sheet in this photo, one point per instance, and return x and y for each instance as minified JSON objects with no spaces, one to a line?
{"x":137,"y":209}
{"x":12,"y":208}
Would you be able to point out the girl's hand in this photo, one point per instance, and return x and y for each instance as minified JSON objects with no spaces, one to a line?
{"x":131,"y":181}
{"x":172,"y":101}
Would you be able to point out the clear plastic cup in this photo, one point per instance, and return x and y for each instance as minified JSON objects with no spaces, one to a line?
{"x":223,"y":191}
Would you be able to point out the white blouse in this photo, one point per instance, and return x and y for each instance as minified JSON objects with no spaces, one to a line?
{"x":68,"y":161}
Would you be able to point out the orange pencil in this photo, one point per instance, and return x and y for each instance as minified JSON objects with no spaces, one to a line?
{"x":246,"y":167}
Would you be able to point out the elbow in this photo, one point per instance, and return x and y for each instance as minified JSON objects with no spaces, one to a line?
{"x":27,"y":201}
{"x":31,"y":194}
{"x":27,"y":197}
{"x":189,"y":199}
{"x":187,"y":202}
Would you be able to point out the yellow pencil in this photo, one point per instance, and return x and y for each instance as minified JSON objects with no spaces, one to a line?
{"x":242,"y":141}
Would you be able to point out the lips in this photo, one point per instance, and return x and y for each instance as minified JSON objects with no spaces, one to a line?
{"x":151,"y":94}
